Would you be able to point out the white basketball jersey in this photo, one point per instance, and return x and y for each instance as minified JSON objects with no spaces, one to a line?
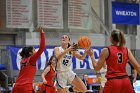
{"x":65,"y":63}
{"x":103,"y":72}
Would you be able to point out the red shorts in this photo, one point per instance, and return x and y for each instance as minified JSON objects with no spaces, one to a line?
{"x":23,"y":88}
{"x":47,"y":89}
{"x":122,"y":85}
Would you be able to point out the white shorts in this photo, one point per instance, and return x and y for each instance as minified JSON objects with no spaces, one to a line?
{"x":64,"y":78}
{"x":103,"y":81}
{"x":103,"y":73}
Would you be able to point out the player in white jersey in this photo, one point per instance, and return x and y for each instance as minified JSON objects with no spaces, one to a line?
{"x":65,"y":75}
{"x":103,"y":78}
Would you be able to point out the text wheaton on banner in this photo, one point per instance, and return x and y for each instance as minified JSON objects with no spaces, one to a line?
{"x":125,"y":13}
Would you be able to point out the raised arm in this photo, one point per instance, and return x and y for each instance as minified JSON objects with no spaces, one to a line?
{"x":98,"y":64}
{"x":59,"y":54}
{"x":42,"y":46}
{"x":79,"y":56}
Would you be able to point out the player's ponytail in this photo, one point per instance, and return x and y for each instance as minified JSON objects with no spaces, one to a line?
{"x":121,"y":39}
{"x":69,"y":44}
{"x":118,"y":38}
{"x":115,"y":37}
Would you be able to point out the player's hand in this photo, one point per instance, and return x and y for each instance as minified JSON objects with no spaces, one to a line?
{"x":90,"y":52}
{"x":40,"y":29}
{"x":75,"y":46}
{"x":72,"y":47}
{"x":44,"y":81}
{"x":87,"y":50}
{"x":134,"y":80}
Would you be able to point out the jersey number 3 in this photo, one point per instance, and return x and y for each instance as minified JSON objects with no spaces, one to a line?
{"x":120,"y":58}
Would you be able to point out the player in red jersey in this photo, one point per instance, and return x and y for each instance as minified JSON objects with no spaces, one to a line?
{"x":48,"y":77}
{"x":29,"y":56}
{"x":116,"y":56}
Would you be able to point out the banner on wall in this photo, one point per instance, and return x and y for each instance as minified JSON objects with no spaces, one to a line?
{"x":50,"y":13}
{"x":48,"y":52}
{"x":79,"y":14}
{"x":19,"y":14}
{"x":125,"y":13}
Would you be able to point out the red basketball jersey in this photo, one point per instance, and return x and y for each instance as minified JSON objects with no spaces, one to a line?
{"x":27,"y":72}
{"x":116,"y":61}
{"x":28,"y":68}
{"x":50,"y":77}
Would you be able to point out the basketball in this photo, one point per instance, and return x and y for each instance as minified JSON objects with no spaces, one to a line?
{"x":84,"y":42}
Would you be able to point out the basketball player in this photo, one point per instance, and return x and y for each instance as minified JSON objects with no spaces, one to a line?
{"x":29,"y":56}
{"x":116,"y":56}
{"x":48,"y":77}
{"x":65,"y":75}
{"x":102,"y":73}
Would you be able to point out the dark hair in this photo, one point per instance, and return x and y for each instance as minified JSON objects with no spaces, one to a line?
{"x":25,"y":51}
{"x":50,"y":60}
{"x":118,"y":38}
